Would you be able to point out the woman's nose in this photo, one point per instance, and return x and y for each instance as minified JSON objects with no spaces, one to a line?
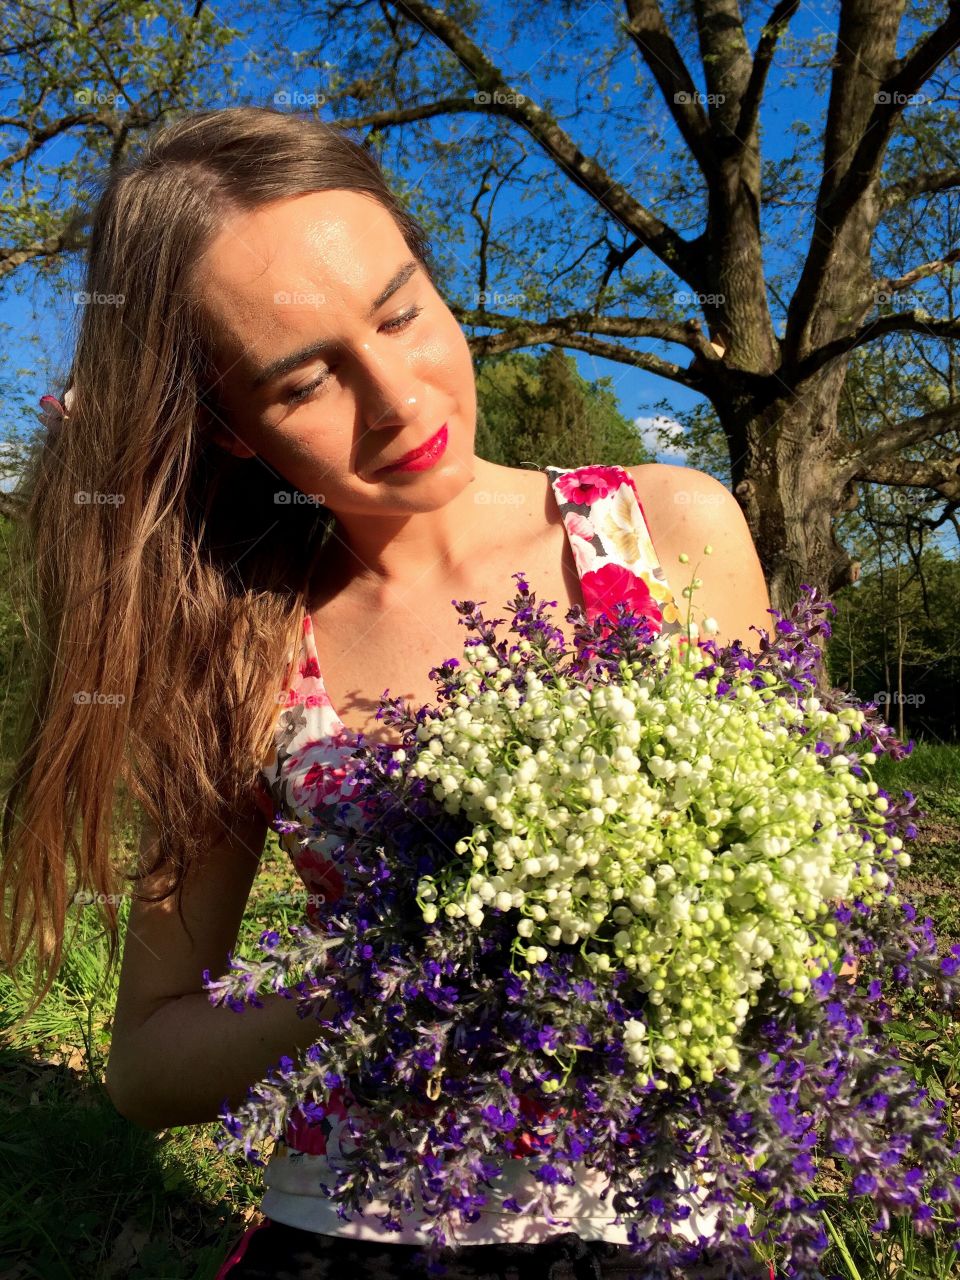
{"x":391,"y":394}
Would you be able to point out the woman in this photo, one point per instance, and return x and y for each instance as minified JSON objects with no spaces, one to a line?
{"x":238,"y":426}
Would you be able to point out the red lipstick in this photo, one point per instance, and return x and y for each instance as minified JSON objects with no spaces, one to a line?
{"x":420,"y":459}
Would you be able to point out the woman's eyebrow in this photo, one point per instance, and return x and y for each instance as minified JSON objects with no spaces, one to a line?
{"x":318,"y":346}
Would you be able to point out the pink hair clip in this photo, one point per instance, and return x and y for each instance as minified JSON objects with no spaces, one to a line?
{"x":54,"y":414}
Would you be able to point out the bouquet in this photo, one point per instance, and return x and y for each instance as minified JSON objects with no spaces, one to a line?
{"x":595,"y":917}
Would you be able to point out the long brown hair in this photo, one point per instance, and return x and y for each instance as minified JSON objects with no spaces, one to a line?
{"x":160,"y":606}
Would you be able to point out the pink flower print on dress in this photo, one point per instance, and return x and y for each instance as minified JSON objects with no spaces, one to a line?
{"x":309,"y":690}
{"x":589,"y":484}
{"x":309,"y":667}
{"x":319,"y":874}
{"x":581,"y":534}
{"x":304,"y":1136}
{"x":603,"y":588}
{"x":328,"y":1135}
{"x":314,"y":781}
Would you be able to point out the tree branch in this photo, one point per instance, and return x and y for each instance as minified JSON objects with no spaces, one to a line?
{"x":941,"y":474}
{"x":646,"y":25}
{"x":948,"y":513}
{"x":915,"y":321}
{"x":39,"y":137}
{"x":523,"y":334}
{"x":773,"y":28}
{"x":14,"y":256}
{"x":894,"y":284}
{"x":911,"y":72}
{"x":688,"y":334}
{"x":404,"y":115}
{"x":661,"y":239}
{"x":858,"y":134}
{"x":918,"y":185}
{"x":865,"y":456}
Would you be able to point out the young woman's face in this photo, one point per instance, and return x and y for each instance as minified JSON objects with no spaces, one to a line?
{"x":385,"y":373}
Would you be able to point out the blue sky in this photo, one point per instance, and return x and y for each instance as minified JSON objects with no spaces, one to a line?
{"x":538,"y":67}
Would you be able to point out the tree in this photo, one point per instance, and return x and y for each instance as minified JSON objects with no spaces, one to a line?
{"x":540,"y":412}
{"x":895,"y":643}
{"x":94,"y":76}
{"x":605,"y":265}
{"x":597,"y":229}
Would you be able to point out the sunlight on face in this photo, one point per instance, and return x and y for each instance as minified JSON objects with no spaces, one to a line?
{"x":321,"y":374}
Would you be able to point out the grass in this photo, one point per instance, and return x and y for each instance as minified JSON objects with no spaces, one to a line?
{"x":86,"y":1194}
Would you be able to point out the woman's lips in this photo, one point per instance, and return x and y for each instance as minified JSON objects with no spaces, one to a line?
{"x":420,"y":459}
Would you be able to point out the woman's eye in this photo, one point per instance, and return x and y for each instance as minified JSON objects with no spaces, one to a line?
{"x":295,"y":396}
{"x":394,"y":326}
{"x":402,"y":321}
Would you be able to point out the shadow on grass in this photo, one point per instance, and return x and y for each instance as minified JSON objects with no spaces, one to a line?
{"x":86,"y":1195}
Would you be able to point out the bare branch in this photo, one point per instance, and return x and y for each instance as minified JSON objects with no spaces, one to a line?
{"x":521,"y":333}
{"x":917,"y":185}
{"x":404,"y":115}
{"x":941,"y":474}
{"x":14,"y":256}
{"x":773,"y":28}
{"x":863,"y":457}
{"x":894,"y":284}
{"x":915,"y":321}
{"x":39,"y":137}
{"x":681,"y":257}
{"x":948,"y":513}
{"x":652,"y":37}
{"x":858,"y":133}
{"x":688,"y":334}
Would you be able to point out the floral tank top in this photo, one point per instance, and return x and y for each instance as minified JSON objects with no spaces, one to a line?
{"x":615,"y":560}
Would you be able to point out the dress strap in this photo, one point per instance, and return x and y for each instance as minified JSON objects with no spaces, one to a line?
{"x":612,"y":546}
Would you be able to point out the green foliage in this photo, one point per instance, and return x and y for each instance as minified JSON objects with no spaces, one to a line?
{"x":85,"y":1192}
{"x":537,"y":411}
{"x":894,"y":641}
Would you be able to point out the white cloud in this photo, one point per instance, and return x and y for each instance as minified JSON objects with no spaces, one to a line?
{"x":663,"y":437}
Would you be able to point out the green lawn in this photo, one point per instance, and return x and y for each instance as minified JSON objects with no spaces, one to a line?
{"x":85,"y":1194}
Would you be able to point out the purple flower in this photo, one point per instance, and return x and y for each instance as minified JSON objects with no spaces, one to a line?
{"x":548,"y":1038}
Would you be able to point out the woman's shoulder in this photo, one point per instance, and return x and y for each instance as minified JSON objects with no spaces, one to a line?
{"x":683,"y":499}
